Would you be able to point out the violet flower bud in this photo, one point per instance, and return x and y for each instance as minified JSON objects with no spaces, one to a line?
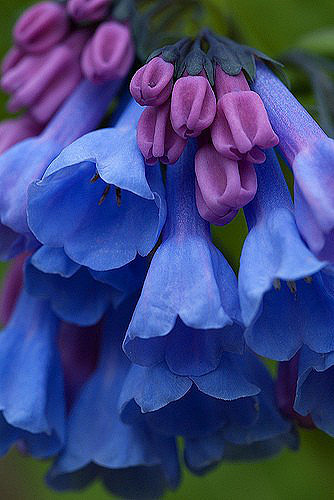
{"x":88,"y":10}
{"x":16,"y":130}
{"x":156,"y":138}
{"x":225,"y":83}
{"x":193,"y":106}
{"x":42,"y":82}
{"x":241,"y":126}
{"x":41,"y":27}
{"x":223,"y":185}
{"x":109,"y":54}
{"x":152,"y":84}
{"x":13,"y":56}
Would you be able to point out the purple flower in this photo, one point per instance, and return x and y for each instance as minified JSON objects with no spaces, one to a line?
{"x":223,"y":185}
{"x":193,"y":106}
{"x":41,"y":27}
{"x":88,"y":10}
{"x":152,"y":84}
{"x":109,"y":53}
{"x":157,"y":140}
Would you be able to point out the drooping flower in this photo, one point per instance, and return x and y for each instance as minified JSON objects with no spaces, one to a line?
{"x":310,"y":154}
{"x":68,"y":211}
{"x":32,"y":401}
{"x":194,"y":301}
{"x":77,"y":294}
{"x":233,"y":405}
{"x":314,"y":392}
{"x":210,"y":99}
{"x":124,"y":452}
{"x":27,"y":161}
{"x":282,"y":293}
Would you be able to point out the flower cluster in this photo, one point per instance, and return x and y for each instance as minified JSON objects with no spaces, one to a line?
{"x":56,"y":46}
{"x":229,"y":119}
{"x":126,"y":331}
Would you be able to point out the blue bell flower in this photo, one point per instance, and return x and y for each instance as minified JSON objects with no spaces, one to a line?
{"x":310,"y":154}
{"x":77,"y":294}
{"x":282,"y":294}
{"x":32,"y":403}
{"x":27,"y":161}
{"x":98,"y":200}
{"x":188,"y":312}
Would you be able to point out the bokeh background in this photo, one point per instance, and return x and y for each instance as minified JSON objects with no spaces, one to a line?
{"x":273,"y":27}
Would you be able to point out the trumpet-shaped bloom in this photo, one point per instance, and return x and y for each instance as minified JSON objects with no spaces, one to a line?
{"x":32,"y":400}
{"x":234,"y":404}
{"x":314,"y":393}
{"x":310,"y":154}
{"x":97,"y":230}
{"x":282,"y":293}
{"x":76,"y":294}
{"x":188,"y":312}
{"x":25,"y":162}
{"x":120,"y":447}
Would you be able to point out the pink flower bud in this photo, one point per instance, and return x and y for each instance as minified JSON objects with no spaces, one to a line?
{"x":41,"y":27}
{"x":152,"y":84}
{"x":109,"y":54}
{"x":156,"y":137}
{"x":225,"y":83}
{"x":223,"y":185}
{"x":88,"y":10}
{"x":13,"y":56}
{"x":16,"y":130}
{"x":193,"y":106}
{"x":42,"y":82}
{"x":242,"y":127}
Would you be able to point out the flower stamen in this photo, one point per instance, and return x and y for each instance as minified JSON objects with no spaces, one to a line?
{"x":104,"y":194}
{"x":277,"y":284}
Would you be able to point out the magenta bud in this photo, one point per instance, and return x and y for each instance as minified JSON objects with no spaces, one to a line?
{"x":88,"y":10}
{"x":109,"y":54}
{"x":224,"y":185}
{"x":225,"y":83}
{"x":16,"y":130}
{"x":41,"y":27}
{"x":42,"y":82}
{"x":156,"y":138}
{"x":152,"y":84}
{"x":242,"y":127}
{"x":13,"y":56}
{"x":193,"y":106}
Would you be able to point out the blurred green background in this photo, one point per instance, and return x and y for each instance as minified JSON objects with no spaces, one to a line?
{"x":308,"y":474}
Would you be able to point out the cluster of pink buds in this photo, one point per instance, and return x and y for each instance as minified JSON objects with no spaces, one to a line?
{"x":56,"y":45}
{"x":228,"y":119}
